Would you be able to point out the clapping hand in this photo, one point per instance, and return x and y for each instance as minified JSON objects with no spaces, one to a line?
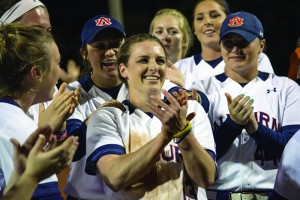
{"x":241,"y":111}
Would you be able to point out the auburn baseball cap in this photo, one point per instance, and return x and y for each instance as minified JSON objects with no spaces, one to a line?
{"x":93,"y":26}
{"x":244,"y":24}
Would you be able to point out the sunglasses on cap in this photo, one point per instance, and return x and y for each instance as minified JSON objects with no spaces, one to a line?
{"x":230,"y":43}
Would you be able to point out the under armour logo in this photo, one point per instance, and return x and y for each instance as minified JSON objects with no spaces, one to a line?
{"x":274,"y":90}
{"x":261,"y":34}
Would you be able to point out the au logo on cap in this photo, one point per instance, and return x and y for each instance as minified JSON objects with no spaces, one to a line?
{"x":236,"y":21}
{"x":103,"y":21}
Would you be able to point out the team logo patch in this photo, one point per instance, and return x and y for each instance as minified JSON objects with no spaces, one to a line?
{"x":103,"y":21}
{"x":235,"y":22}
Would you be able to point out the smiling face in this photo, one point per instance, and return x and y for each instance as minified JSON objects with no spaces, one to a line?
{"x":145,"y":70}
{"x":239,"y":57}
{"x":102,"y":55}
{"x":208,"y":18}
{"x":166,"y":28}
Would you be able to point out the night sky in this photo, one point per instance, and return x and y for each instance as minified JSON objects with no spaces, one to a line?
{"x":281,"y":21}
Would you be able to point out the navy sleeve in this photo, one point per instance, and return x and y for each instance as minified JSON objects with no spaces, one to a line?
{"x":276,"y":196}
{"x":271,"y":141}
{"x":78,"y":128}
{"x":91,"y":161}
{"x":225,"y":135}
{"x":204,"y":101}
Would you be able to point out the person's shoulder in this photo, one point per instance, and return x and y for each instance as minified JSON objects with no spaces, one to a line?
{"x":283,"y":79}
{"x":111,"y":109}
{"x":184,"y":61}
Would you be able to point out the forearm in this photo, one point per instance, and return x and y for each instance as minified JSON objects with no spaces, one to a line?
{"x":198,"y":163}
{"x":22,"y":189}
{"x":225,"y":135}
{"x":272,"y":141}
{"x":119,"y":172}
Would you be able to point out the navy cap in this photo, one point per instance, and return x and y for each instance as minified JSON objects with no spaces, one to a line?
{"x":244,"y":24}
{"x":93,"y":26}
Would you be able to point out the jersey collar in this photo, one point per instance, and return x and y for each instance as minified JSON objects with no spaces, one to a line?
{"x":212,"y":63}
{"x":262,"y":75}
{"x":132,"y":108}
{"x":10,"y":101}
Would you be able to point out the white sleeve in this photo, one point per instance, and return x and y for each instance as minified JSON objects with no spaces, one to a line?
{"x":264,"y":63}
{"x":287,"y":182}
{"x":103,"y":129}
{"x":201,"y":126}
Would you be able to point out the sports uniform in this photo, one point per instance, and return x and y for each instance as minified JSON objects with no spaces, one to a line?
{"x":243,"y":164}
{"x":112,"y":131}
{"x":248,"y":162}
{"x":287,"y":184}
{"x":80,"y":184}
{"x":195,"y":68}
{"x":14,"y":123}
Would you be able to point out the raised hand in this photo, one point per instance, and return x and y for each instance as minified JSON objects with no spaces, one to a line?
{"x":173,"y":115}
{"x":42,"y":164}
{"x":60,"y":109}
{"x":21,"y":152}
{"x":240,"y":108}
{"x":174,"y":74}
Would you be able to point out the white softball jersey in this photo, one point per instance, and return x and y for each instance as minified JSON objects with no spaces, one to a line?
{"x":287,"y":182}
{"x":14,"y":123}
{"x":245,"y":165}
{"x":80,"y":184}
{"x":112,"y":131}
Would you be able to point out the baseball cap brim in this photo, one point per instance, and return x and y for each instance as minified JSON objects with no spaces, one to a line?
{"x":245,"y":34}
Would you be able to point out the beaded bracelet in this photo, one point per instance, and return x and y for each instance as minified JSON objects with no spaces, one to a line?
{"x":60,"y":136}
{"x":186,"y":129}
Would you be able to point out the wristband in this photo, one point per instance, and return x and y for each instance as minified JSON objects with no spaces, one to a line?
{"x":178,"y":140}
{"x":186,"y":129}
{"x":60,"y":136}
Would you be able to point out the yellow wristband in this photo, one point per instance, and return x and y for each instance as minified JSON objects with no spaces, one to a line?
{"x":187,"y":128}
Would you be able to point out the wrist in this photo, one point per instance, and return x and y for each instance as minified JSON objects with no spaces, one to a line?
{"x":186,"y":129}
{"x":29,"y":178}
{"x":166,"y":135}
{"x":179,"y":136}
{"x":60,"y":136}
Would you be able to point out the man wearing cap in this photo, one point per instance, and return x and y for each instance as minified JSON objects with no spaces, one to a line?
{"x":252,"y":113}
{"x":101,"y":39}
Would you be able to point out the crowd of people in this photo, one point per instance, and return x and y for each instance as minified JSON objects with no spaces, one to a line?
{"x":142,"y":120}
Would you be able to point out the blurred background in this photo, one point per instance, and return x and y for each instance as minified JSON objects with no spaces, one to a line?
{"x":281,"y":21}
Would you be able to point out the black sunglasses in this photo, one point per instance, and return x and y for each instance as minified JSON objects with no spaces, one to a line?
{"x":229,"y":43}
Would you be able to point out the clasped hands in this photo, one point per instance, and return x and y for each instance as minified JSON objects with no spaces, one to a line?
{"x":173,"y":115}
{"x":241,"y":111}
